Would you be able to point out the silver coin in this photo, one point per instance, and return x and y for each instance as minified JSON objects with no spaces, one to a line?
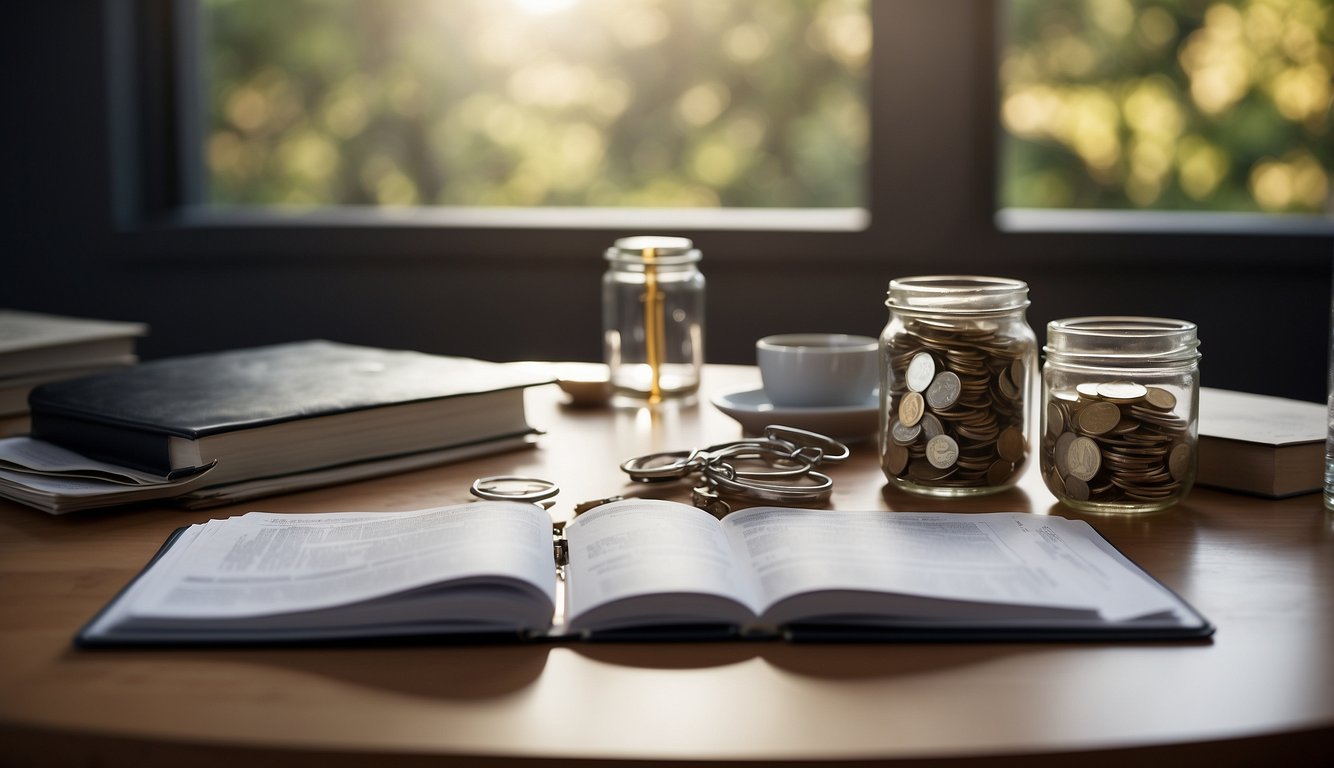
{"x":931,"y":426}
{"x":1122,"y":391}
{"x":942,"y":451}
{"x":921,"y":370}
{"x":1087,"y":389}
{"x":905,"y":434}
{"x":944,"y":390}
{"x":1083,"y":458}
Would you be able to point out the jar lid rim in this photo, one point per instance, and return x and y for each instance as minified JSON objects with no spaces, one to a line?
{"x":1161,"y":339}
{"x":1123,"y":325}
{"x":960,"y":295}
{"x":957,"y":284}
{"x":662,"y":245}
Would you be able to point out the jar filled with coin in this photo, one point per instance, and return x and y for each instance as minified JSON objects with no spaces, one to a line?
{"x":1120,"y":400}
{"x":956,"y":364}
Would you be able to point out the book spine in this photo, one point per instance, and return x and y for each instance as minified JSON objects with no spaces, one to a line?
{"x":124,"y":447}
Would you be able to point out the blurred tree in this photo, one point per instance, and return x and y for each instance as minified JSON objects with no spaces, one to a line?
{"x":537,"y":102}
{"x":1223,"y":105}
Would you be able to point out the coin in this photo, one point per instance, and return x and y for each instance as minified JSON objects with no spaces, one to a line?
{"x":911,"y":408}
{"x":1160,"y":398}
{"x":1083,"y":458}
{"x":1000,"y":472}
{"x":1098,"y":418}
{"x":896,"y":458}
{"x":1122,"y":391}
{"x":923,"y":470}
{"x":1179,"y":461}
{"x":904,"y":434}
{"x":1133,"y":451}
{"x":1011,"y":444}
{"x":972,"y":378}
{"x":931,"y":426}
{"x":1088,"y":389}
{"x":942,"y":451}
{"x":1055,"y":418}
{"x":1062,"y":452}
{"x":921,"y":369}
{"x":943,"y":391}
{"x":1076,"y":489}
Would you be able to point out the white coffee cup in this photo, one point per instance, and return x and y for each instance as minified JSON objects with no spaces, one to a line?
{"x":814,"y":370}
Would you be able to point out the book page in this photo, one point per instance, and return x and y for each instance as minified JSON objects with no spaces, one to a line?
{"x":262,"y":563}
{"x":1003,"y":558}
{"x":1260,"y":419}
{"x":637,"y":548}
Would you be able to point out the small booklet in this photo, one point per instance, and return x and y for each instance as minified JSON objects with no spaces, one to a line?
{"x":640,"y":569}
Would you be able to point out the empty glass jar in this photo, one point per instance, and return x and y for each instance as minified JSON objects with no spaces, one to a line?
{"x":956,"y":368}
{"x":653,"y":319}
{"x":1119,"y":417}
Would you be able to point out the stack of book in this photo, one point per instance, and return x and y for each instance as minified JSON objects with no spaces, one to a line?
{"x":37,"y":348}
{"x":219,"y":427}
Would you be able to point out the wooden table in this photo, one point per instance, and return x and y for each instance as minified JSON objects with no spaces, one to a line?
{"x":1262,"y":689}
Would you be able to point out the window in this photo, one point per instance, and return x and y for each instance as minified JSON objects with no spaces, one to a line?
{"x":343,"y":112}
{"x":1158,"y":105}
{"x":417,"y":275}
{"x":533,"y":103}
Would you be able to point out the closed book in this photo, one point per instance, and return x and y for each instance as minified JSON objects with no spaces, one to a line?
{"x":34,"y":344}
{"x":281,"y":409}
{"x":1268,"y":446}
{"x":37,"y":348}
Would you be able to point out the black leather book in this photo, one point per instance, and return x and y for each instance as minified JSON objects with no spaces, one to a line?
{"x":276,"y":410}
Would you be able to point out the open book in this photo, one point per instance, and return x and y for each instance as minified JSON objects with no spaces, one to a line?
{"x":640,"y":569}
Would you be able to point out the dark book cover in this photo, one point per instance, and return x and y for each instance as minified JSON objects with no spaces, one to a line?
{"x":128,"y":415}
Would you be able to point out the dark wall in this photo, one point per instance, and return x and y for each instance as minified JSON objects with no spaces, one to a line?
{"x":1262,"y":303}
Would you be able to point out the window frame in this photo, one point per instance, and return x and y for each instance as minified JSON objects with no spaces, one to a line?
{"x":931,"y":179}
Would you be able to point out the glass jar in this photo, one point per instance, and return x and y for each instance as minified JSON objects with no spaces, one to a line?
{"x":1120,"y":405}
{"x":653,"y":319}
{"x":956,"y":361}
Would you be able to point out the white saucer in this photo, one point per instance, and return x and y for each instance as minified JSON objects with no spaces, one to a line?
{"x":752,"y":408}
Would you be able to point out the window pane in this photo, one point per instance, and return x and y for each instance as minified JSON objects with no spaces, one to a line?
{"x":679,"y":103}
{"x":1209,"y":105}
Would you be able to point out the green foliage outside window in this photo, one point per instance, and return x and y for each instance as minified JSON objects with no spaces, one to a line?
{"x":694,"y":103}
{"x":1222,"y":105}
